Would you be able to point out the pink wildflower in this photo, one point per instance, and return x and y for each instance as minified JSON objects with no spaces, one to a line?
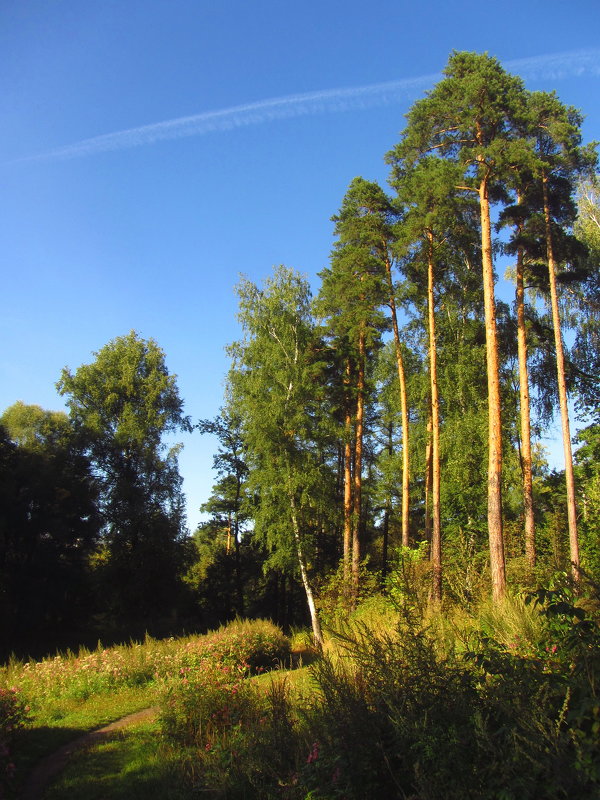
{"x":314,"y":753}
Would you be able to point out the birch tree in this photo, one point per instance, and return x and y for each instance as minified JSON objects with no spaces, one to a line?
{"x":273,"y":391}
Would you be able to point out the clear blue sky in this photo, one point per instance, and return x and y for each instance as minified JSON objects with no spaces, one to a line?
{"x":112,"y":221}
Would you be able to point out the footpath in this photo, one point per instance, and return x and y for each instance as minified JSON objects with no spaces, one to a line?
{"x":52,"y":764}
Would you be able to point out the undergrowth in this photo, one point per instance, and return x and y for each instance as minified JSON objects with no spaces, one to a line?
{"x":46,"y":703}
{"x":495,"y":704}
{"x":500,"y":705}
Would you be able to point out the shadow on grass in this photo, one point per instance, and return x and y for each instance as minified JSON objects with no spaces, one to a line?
{"x":32,"y":746}
{"x":45,"y":751}
{"x":130,"y":763}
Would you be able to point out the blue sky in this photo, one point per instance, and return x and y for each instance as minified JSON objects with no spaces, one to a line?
{"x":153,"y":150}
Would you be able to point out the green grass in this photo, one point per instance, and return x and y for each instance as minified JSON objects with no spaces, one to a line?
{"x":69,"y":695}
{"x":95,"y":711}
{"x":66,"y":720}
{"x":133,"y":763}
{"x":311,"y":730}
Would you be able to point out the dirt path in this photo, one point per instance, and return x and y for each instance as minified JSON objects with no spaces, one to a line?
{"x":49,"y":766}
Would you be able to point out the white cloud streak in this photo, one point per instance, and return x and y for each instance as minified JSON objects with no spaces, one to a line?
{"x":580,"y":63}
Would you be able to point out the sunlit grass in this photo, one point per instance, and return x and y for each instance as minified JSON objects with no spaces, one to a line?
{"x":222,"y":731}
{"x":133,"y":763}
{"x":68,"y":695}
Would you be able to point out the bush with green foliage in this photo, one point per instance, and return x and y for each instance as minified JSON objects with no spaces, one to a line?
{"x":401,"y":716}
{"x":240,"y":739}
{"x":257,"y":644}
{"x":13,"y":716}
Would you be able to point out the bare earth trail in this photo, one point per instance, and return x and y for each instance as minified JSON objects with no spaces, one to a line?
{"x":49,"y":766}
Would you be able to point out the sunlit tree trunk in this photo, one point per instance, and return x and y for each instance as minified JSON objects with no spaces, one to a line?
{"x":428,"y":481}
{"x":358,"y":448}
{"x":495,"y":529}
{"x":347,"y":557}
{"x":436,"y":530}
{"x":562,"y":389}
{"x":403,"y":410}
{"x":526,"y":462}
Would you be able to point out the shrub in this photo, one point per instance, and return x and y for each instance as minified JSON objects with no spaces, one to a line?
{"x":390,"y":720}
{"x":402,"y":716}
{"x":258,"y":644}
{"x":209,"y":699}
{"x":241,"y":740}
{"x":573,"y":651}
{"x":13,"y":715}
{"x":210,"y":695}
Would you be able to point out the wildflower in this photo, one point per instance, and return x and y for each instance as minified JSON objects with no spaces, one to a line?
{"x":314,"y":753}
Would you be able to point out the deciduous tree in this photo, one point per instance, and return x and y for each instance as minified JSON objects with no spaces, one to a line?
{"x":124,"y":403}
{"x":49,"y":528}
{"x":273,"y":391}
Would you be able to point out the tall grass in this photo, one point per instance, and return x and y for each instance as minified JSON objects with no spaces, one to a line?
{"x":252,"y":645}
{"x":496,"y":705}
{"x":501,"y":703}
{"x":66,"y":693}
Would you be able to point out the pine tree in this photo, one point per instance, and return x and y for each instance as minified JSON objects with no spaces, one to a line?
{"x":352,"y":293}
{"x":516,"y":215}
{"x":226,"y":501}
{"x":433,"y":222}
{"x":472,"y":117}
{"x":560,"y":160}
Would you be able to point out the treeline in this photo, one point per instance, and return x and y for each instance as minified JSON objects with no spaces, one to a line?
{"x":92,"y":530}
{"x":398,"y":412}
{"x":405,"y":403}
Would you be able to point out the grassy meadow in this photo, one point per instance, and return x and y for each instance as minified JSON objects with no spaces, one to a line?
{"x":501,"y":702}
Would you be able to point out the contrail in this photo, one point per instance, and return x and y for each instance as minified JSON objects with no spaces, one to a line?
{"x":556,"y":66}
{"x":295,"y":105}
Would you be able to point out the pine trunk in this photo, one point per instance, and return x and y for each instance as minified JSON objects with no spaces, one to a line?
{"x":428,"y":482}
{"x":526,"y":461}
{"x":347,"y":557}
{"x":562,"y":390}
{"x":358,"y":448}
{"x":348,"y":501}
{"x":495,"y":531}
{"x":403,"y":409}
{"x":436,"y":530}
{"x":386,"y":516}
